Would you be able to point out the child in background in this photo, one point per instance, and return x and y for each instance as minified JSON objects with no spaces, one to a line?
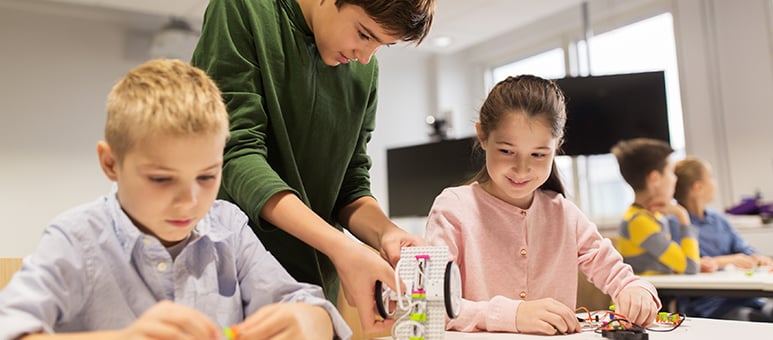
{"x":645,"y":240}
{"x":160,"y":258}
{"x":695,"y":188}
{"x":517,"y":240}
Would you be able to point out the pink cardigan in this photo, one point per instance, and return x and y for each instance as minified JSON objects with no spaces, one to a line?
{"x":507,"y":254}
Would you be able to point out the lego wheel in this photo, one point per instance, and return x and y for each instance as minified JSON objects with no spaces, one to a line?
{"x":452,"y":290}
{"x":383,"y":303}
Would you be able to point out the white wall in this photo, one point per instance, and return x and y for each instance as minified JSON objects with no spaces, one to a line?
{"x":726,"y":73}
{"x":54,"y":78}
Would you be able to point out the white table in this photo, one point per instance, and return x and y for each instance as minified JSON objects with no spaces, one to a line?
{"x":730,"y":283}
{"x":691,"y":329}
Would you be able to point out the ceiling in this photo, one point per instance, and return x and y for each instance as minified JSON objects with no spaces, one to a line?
{"x":465,"y":22}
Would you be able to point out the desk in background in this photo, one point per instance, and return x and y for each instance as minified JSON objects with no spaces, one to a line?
{"x":691,"y":329}
{"x":731,"y":283}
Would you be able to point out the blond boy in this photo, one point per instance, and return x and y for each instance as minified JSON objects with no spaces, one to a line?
{"x":160,"y":257}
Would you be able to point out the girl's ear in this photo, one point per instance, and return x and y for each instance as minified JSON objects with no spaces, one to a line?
{"x":107,"y":160}
{"x":697,"y":186}
{"x":481,"y":135}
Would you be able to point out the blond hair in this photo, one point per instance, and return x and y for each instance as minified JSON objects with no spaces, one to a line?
{"x":163,"y":97}
{"x":688,"y":171}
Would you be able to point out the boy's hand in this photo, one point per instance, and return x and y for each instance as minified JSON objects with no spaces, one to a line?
{"x":393,"y":240}
{"x":167,"y":320}
{"x":637,"y":304}
{"x":672,"y":208}
{"x":359,"y":267}
{"x":546,"y":316}
{"x":708,"y":265}
{"x":291,"y":321}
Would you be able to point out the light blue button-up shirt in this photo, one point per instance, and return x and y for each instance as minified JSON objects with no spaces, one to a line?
{"x":94,"y":270}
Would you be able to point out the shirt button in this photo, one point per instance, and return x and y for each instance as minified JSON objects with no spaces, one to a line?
{"x":146,"y":240}
{"x":523,"y":213}
{"x":161,"y":266}
{"x":523,"y":252}
{"x":522,"y":295}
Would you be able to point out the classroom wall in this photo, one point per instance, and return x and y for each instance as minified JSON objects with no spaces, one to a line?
{"x":54,"y":77}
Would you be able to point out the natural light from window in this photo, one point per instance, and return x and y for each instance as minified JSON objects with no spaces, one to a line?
{"x":647,"y":45}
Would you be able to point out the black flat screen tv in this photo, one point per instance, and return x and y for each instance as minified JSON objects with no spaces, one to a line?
{"x":417,"y":174}
{"x":602,"y":110}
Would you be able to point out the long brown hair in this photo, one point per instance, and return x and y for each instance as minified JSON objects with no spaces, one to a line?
{"x":534,"y":97}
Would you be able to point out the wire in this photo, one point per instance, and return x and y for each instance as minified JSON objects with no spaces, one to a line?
{"x":676,"y":325}
{"x":619,"y":321}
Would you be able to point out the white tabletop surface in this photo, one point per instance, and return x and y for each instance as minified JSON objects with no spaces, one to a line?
{"x":760,"y":279}
{"x":692,"y":328}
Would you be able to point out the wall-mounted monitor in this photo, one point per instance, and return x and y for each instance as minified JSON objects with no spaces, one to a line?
{"x":602,"y":110}
{"x":417,"y":174}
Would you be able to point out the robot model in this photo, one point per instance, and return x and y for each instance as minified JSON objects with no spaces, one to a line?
{"x":434,"y":291}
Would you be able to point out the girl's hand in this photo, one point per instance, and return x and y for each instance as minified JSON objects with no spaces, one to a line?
{"x":289,"y":321}
{"x":167,"y":320}
{"x":546,"y":316}
{"x":637,"y":304}
{"x":762,"y":260}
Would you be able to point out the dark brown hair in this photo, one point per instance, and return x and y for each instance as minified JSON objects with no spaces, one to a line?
{"x":408,"y":19}
{"x":534,"y":97}
{"x":638,"y":157}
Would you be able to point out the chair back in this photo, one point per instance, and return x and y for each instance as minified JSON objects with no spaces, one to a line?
{"x":8,"y":267}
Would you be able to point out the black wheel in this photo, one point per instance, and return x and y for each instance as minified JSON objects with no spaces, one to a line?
{"x":382,"y":301}
{"x":452,"y":290}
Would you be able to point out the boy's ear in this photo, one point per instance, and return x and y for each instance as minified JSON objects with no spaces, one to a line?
{"x":652,"y":178}
{"x":481,"y":135}
{"x":107,"y":160}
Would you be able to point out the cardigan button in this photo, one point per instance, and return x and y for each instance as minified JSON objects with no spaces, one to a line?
{"x":522,"y":295}
{"x":523,"y":252}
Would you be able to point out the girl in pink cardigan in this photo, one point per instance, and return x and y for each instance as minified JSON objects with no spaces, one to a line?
{"x":517,"y":240}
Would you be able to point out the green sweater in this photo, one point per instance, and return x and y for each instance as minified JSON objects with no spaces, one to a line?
{"x":296,"y":123}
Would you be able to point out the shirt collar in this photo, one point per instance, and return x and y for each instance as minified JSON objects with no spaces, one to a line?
{"x":295,"y":14}
{"x":128,"y":234}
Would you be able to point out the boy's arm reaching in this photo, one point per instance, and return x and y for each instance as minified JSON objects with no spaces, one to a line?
{"x":265,"y":283}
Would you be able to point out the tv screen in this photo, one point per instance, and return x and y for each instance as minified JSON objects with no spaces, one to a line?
{"x":417,"y":174}
{"x":602,"y":110}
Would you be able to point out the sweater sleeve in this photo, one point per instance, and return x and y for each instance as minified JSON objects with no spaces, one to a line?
{"x":682,"y":257}
{"x":227,"y":52}
{"x":603,"y":265}
{"x":494,"y":315}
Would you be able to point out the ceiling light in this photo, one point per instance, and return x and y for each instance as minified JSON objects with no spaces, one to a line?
{"x":442,"y":41}
{"x":176,"y":40}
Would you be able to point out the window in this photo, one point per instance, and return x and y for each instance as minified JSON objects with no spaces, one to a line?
{"x":548,"y":64}
{"x":594,"y":182}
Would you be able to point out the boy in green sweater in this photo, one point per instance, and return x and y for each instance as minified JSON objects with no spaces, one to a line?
{"x":300,"y":86}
